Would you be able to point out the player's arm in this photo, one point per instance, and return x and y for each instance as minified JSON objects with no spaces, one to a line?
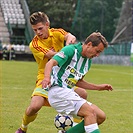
{"x":70,"y":39}
{"x":47,"y":72}
{"x":90,"y":86}
{"x":40,"y":52}
{"x":50,"y":54}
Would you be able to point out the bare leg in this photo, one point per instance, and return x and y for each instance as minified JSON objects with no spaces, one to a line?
{"x":81,"y":92}
{"x":31,"y":112}
{"x":88,"y":113}
{"x":100,"y":115}
{"x":36,"y":103}
{"x":89,"y":124}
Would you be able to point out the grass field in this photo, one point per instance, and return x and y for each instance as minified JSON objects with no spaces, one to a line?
{"x":17,"y":80}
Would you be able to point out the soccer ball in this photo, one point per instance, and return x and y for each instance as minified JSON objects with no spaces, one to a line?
{"x":63,"y":122}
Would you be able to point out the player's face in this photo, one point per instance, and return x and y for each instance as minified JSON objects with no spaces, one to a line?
{"x":41,"y":30}
{"x":93,"y":51}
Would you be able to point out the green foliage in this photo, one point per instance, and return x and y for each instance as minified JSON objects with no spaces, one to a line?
{"x":81,"y":17}
{"x":97,"y":15}
{"x":60,"y":12}
{"x":18,"y":81}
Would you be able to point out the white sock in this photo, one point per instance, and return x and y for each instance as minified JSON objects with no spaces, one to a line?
{"x":91,"y":128}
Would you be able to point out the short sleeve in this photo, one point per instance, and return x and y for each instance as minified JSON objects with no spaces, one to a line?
{"x":64,"y":55}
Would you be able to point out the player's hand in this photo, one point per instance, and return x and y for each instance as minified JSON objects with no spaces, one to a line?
{"x":105,"y":87}
{"x":70,"y":39}
{"x":46,"y":82}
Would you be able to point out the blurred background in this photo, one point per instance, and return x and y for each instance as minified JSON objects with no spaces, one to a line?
{"x":80,"y":17}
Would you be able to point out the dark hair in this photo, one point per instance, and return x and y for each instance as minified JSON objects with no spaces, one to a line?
{"x":96,"y":38}
{"x":38,"y":17}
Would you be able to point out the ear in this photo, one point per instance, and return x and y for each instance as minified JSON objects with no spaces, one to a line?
{"x":89,"y":44}
{"x":47,"y":24}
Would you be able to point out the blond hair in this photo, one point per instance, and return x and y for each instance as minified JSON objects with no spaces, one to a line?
{"x":38,"y":17}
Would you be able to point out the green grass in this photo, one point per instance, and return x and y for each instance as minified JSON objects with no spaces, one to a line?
{"x":132,"y":57}
{"x":17,"y":81}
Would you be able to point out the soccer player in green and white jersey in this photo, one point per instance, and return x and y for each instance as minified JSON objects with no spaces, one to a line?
{"x":65,"y":71}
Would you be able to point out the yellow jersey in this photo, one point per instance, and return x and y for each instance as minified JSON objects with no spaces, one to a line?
{"x":39,"y":47}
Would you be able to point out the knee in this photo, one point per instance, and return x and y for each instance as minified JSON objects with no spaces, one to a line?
{"x":100,"y":115}
{"x":36,"y":104}
{"x":102,"y":118}
{"x":35,"y":108}
{"x":90,"y":112}
{"x":81,"y":92}
{"x":90,"y":115}
{"x":84,"y":94}
{"x":31,"y":110}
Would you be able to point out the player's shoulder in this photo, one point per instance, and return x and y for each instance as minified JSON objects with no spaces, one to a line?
{"x":69,"y":49}
{"x":35,"y":39}
{"x":58,"y":30}
{"x":33,"y":42}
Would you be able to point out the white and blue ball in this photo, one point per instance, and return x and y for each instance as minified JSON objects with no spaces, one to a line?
{"x":63,"y":122}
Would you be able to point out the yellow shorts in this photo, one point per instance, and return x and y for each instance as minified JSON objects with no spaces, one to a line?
{"x":39,"y":91}
{"x":75,"y":87}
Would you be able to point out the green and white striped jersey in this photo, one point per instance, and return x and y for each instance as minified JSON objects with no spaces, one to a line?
{"x":72,"y":66}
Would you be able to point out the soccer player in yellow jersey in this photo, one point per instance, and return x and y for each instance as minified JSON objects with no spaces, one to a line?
{"x":47,"y":42}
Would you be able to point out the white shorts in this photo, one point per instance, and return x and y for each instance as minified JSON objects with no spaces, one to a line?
{"x":65,"y":100}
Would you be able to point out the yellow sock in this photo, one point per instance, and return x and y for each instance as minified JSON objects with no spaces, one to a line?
{"x":26,"y":120}
{"x":76,"y":120}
